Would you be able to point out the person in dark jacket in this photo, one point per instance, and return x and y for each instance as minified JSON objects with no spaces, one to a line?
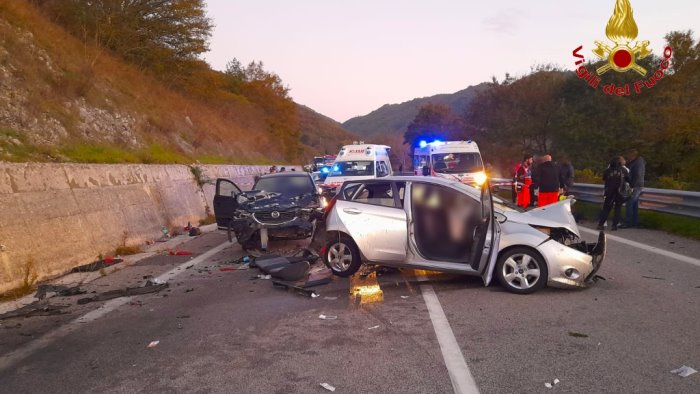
{"x":547,"y":182}
{"x":637,"y":168}
{"x":614,"y":175}
{"x":566,"y":175}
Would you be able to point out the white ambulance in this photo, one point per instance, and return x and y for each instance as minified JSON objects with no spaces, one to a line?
{"x":451,"y":159}
{"x":359,"y":161}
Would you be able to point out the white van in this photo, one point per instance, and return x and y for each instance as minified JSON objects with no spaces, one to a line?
{"x":358,"y":162}
{"x":452,"y":159}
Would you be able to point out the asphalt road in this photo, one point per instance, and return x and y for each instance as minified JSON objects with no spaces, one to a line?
{"x":223,"y":332}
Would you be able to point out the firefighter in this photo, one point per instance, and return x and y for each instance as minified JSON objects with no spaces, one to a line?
{"x":523,"y":180}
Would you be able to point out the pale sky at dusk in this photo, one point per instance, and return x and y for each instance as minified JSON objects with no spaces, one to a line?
{"x":347,"y":58}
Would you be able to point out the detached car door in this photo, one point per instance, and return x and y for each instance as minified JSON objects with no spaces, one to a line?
{"x":487,"y":236}
{"x":373,"y":216}
{"x":225,"y":202}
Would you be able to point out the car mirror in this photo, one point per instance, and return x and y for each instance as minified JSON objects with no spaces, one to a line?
{"x":500,"y":218}
{"x":426,"y":170}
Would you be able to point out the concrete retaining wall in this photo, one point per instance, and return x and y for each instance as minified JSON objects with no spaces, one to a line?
{"x":54,"y":217}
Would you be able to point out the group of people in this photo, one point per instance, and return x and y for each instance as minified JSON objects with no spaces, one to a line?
{"x":624,"y":181}
{"x":274,"y":169}
{"x":543,"y":183}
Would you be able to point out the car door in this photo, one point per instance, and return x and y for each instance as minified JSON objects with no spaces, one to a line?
{"x":225,"y":202}
{"x":486,"y":237}
{"x":373,"y":216}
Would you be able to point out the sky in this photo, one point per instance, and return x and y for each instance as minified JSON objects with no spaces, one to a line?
{"x":346,"y":58}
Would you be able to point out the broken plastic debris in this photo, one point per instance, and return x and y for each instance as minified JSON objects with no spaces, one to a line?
{"x":404,"y":297}
{"x":330,"y":298}
{"x":325,"y":317}
{"x":314,"y":295}
{"x":373,"y":327}
{"x":327,"y":387}
{"x":264,"y":276}
{"x":548,"y":385}
{"x":153,"y":344}
{"x":684,"y":371}
{"x":556,"y":381}
{"x":181,"y":253}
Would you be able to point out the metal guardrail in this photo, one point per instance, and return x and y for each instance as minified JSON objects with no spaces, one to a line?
{"x":677,"y":202}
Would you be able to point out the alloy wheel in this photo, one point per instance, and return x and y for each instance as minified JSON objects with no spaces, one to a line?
{"x":340,"y":256}
{"x":521,"y":271}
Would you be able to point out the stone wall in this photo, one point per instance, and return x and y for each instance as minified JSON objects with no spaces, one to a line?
{"x":54,"y":217}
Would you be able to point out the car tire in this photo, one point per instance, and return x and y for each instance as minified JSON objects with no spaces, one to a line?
{"x":342,"y":256}
{"x":521,"y":270}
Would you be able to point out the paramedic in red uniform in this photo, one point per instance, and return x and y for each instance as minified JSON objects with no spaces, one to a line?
{"x":523,"y":179}
{"x":548,"y":182}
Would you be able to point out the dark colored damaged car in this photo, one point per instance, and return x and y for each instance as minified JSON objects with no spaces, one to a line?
{"x":280,"y":206}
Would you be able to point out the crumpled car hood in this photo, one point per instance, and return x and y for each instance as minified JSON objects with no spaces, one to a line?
{"x":557,"y":215}
{"x":260,"y":200}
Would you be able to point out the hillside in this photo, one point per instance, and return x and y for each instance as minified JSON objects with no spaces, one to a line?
{"x":67,"y":99}
{"x":391,"y":120}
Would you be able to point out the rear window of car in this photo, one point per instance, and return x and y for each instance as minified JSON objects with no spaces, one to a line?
{"x":286,"y":185}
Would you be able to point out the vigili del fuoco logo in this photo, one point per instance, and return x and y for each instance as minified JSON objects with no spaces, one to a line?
{"x":622,"y":55}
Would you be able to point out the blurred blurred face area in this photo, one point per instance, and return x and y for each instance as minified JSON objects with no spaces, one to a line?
{"x":444,"y":222}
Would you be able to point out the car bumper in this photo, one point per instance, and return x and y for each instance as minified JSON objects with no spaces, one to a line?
{"x":298,"y":228}
{"x":573,"y":266}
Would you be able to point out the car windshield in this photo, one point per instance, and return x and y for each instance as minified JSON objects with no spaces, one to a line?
{"x":286,"y":185}
{"x":453,"y":163}
{"x":352,"y":168}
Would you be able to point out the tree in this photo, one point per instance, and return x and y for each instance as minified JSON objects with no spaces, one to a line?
{"x":434,"y":121}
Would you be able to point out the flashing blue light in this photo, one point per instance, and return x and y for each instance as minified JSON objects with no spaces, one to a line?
{"x":336,"y":168}
{"x":437,"y":142}
{"x":325,"y":170}
{"x":422,"y":144}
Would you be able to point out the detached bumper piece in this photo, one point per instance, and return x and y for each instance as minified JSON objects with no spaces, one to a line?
{"x":597,"y":252}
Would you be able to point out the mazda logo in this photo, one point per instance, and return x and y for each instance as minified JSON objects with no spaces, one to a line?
{"x":275,"y":214}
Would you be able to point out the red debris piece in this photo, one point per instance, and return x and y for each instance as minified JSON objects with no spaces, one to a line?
{"x":180,"y":253}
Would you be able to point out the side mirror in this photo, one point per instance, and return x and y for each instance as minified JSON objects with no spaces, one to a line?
{"x":426,"y":170}
{"x":500,"y":218}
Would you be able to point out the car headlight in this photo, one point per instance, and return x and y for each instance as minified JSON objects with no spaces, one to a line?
{"x":480,"y":178}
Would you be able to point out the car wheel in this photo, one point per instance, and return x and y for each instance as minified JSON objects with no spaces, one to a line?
{"x":521,"y":270}
{"x":342,"y":256}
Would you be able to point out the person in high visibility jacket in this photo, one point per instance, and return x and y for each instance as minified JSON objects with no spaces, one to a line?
{"x":523,"y":180}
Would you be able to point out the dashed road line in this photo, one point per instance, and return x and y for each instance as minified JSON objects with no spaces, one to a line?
{"x":462,"y":379}
{"x":652,"y":249}
{"x":18,"y":355}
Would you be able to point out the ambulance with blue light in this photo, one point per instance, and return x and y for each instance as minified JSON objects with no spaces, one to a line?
{"x":450,"y":159}
{"x":359,"y":161}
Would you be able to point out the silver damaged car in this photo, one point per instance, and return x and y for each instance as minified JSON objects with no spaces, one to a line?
{"x":443,"y":225}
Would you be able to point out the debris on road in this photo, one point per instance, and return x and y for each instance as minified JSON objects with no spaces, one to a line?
{"x":577,"y":334}
{"x":326,"y":317}
{"x":684,"y":371}
{"x":548,"y":385}
{"x":653,"y":277}
{"x":328,"y":387}
{"x":404,"y":297}
{"x":194,"y":231}
{"x":189,"y":290}
{"x":330,"y":298}
{"x":97,"y":265}
{"x":57,"y":290}
{"x":151,"y":287}
{"x":36,"y":308}
{"x":264,"y":277}
{"x":373,"y":327}
{"x":180,"y":253}
{"x":556,"y":381}
{"x":297,"y":289}
{"x":153,"y":344}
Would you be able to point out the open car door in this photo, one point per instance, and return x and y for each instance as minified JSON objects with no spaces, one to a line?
{"x":225,"y":202}
{"x":486,"y":237}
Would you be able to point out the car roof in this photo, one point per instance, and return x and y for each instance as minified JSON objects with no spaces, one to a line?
{"x":420,"y":178}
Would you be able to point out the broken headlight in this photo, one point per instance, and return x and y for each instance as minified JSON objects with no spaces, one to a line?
{"x":561,"y":235}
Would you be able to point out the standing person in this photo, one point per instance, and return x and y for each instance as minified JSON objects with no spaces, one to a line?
{"x":547,"y":182}
{"x":283,"y":169}
{"x":273,"y":169}
{"x":566,"y":175}
{"x":535,"y":167}
{"x":637,"y":168}
{"x":614,"y":176}
{"x":523,"y":180}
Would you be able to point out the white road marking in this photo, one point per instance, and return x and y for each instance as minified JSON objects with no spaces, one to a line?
{"x":652,"y":249}
{"x":462,"y":379}
{"x":20,"y":354}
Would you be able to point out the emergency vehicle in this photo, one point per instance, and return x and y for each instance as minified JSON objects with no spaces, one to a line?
{"x":451,"y":159}
{"x":358,"y":162}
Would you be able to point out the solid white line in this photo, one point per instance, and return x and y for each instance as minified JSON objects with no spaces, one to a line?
{"x":652,"y":249}
{"x":461,"y":377}
{"x":18,"y":355}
